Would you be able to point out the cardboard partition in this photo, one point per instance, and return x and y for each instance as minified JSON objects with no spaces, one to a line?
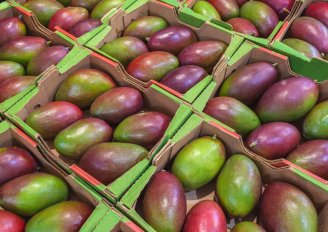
{"x":197,"y":127}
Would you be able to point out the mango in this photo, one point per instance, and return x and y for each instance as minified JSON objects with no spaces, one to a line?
{"x":83,"y":86}
{"x":43,"y":9}
{"x":80,"y":136}
{"x":312,"y":31}
{"x":125,"y":49}
{"x":46,"y":58}
{"x":26,"y":195}
{"x":312,"y":156}
{"x":10,"y":222}
{"x":11,"y":28}
{"x":243,"y":26}
{"x":184,"y":78}
{"x":152,"y":65}
{"x":87,"y":4}
{"x":315,"y":125}
{"x":319,"y":11}
{"x":67,"y":17}
{"x":145,"y":26}
{"x":199,"y":162}
{"x":205,"y":54}
{"x":84,"y":27}
{"x":274,"y":140}
{"x":282,"y":103}
{"x":205,"y":9}
{"x":205,"y":216}
{"x":239,"y":186}
{"x":303,"y":47}
{"x":15,"y":162}
{"x":232,"y":113}
{"x":164,"y":203}
{"x":227,"y":8}
{"x":22,"y":49}
{"x":9,"y":69}
{"x":144,"y":129}
{"x":281,"y":7}
{"x":261,"y":15}
{"x":172,"y":39}
{"x":103,"y":7}
{"x":117,"y":104}
{"x":108,"y":161}
{"x":282,"y":200}
{"x":53,"y":117}
{"x":14,"y":85}
{"x":241,"y":2}
{"x":64,"y":216}
{"x":64,"y":2}
{"x":247,"y":227}
{"x":249,"y":82}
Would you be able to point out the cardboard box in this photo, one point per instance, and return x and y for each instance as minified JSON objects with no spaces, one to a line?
{"x":204,"y":30}
{"x":155,"y":99}
{"x":197,"y":127}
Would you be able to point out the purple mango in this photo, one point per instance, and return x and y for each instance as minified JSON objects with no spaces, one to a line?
{"x":319,"y":11}
{"x":84,"y":27}
{"x":14,"y":85}
{"x":227,"y":8}
{"x":282,"y":7}
{"x":11,"y":28}
{"x":9,"y":69}
{"x":243,"y":26}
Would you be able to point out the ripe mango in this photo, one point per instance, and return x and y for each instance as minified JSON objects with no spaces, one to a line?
{"x":227,"y":8}
{"x":67,"y":17}
{"x":11,"y":28}
{"x":87,"y":4}
{"x":53,"y":117}
{"x":206,"y":9}
{"x":315,"y":125}
{"x":9,"y":69}
{"x":10,"y":222}
{"x":243,"y":26}
{"x":281,"y":7}
{"x":26,"y":195}
{"x":247,"y":227}
{"x":14,"y":85}
{"x":164,"y":203}
{"x":103,"y":7}
{"x":303,"y":47}
{"x":199,"y":162}
{"x":84,"y":27}
{"x":319,"y":11}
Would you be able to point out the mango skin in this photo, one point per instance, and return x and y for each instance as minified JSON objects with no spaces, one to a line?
{"x":117,"y":104}
{"x":232,"y":113}
{"x":125,"y":49}
{"x":315,"y":125}
{"x":15,"y":162}
{"x":22,"y":49}
{"x":103,"y":7}
{"x":84,"y":86}
{"x":311,"y":31}
{"x":80,"y":136}
{"x":261,"y":15}
{"x":9,"y":69}
{"x":273,"y":140}
{"x":303,"y":47}
{"x":53,"y":117}
{"x":243,"y":26}
{"x":108,"y":161}
{"x":46,"y":58}
{"x":206,"y":9}
{"x":26,"y":195}
{"x":11,"y":28}
{"x":241,"y":2}
{"x":249,"y":82}
{"x":247,"y":227}
{"x":67,"y":17}
{"x":64,"y":2}
{"x":199,"y":162}
{"x":289,"y":202}
{"x":312,"y":156}
{"x":319,"y":11}
{"x":145,"y":26}
{"x":282,"y":7}
{"x":164,"y":203}
{"x":184,"y":78}
{"x":282,"y":103}
{"x":205,"y":54}
{"x":84,"y":27}
{"x":205,"y":216}
{"x":144,"y":129}
{"x":172,"y":39}
{"x":10,"y":222}
{"x":227,"y":8}
{"x":64,"y":216}
{"x":152,"y":65}
{"x":43,"y":9}
{"x":235,"y":191}
{"x":14,"y":85}
{"x":87,"y":4}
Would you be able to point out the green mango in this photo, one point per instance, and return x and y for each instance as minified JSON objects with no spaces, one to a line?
{"x":239,"y":186}
{"x":303,"y":47}
{"x":64,"y":2}
{"x":315,"y":125}
{"x":103,"y":7}
{"x":199,"y":162}
{"x":206,"y":9}
{"x":247,"y":227}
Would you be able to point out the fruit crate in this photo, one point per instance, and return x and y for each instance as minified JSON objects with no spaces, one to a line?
{"x":309,"y":67}
{"x":155,"y":99}
{"x":204,"y":30}
{"x":10,"y":135}
{"x":196,"y":127}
